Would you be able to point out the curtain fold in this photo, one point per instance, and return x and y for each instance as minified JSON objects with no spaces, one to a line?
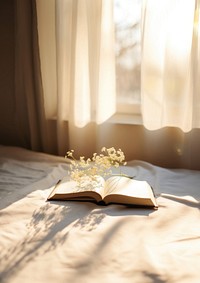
{"x":170,"y":69}
{"x":80,"y":49}
{"x":29,"y":103}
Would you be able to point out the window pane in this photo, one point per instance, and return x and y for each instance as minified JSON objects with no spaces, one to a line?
{"x":127,"y":16}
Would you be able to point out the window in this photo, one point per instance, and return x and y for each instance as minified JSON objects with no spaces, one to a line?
{"x":127,"y":17}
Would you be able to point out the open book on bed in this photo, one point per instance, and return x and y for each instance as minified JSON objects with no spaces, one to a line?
{"x":115,"y":189}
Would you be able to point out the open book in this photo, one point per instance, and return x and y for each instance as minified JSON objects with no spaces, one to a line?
{"x":115,"y":189}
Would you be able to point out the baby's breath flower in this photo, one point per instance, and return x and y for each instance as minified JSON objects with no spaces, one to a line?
{"x":86,"y":170}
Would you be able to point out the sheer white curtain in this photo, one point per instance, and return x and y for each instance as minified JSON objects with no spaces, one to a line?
{"x":170,"y":64}
{"x":76,"y":39}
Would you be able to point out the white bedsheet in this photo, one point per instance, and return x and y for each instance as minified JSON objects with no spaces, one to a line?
{"x":82,"y":242}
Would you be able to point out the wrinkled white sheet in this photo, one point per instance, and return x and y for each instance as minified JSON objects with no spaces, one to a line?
{"x":85,"y":243}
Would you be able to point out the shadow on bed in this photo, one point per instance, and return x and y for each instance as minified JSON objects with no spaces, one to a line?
{"x":50,"y":227}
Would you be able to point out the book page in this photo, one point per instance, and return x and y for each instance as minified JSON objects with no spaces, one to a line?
{"x":124,"y":186}
{"x":66,"y":187}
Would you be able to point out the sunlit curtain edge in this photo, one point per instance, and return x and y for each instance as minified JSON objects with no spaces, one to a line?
{"x":168,"y":83}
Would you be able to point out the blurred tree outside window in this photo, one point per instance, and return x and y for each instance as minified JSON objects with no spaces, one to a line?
{"x":127,"y":18}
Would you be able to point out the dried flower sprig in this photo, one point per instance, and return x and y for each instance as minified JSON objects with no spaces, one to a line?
{"x":86,"y":170}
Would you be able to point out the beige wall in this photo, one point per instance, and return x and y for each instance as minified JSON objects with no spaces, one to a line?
{"x":167,"y":147}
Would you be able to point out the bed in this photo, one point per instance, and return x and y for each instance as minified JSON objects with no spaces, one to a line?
{"x":63,"y":241}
